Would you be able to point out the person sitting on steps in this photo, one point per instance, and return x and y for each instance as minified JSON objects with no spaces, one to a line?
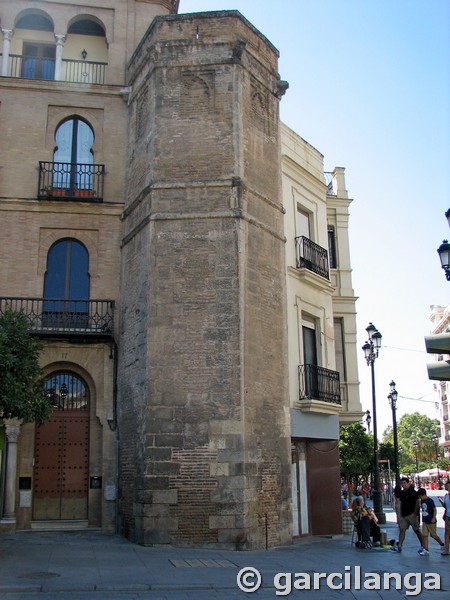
{"x":366,"y":525}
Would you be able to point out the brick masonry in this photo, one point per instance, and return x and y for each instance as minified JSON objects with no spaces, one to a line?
{"x":203,"y":400}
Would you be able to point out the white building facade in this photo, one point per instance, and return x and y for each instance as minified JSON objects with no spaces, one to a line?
{"x":323,"y":376}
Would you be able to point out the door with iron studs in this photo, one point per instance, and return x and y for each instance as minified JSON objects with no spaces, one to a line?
{"x":61,"y":467}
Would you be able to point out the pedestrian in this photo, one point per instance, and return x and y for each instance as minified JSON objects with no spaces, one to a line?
{"x":344,"y":488}
{"x":429,"y":514}
{"x":397,"y":491}
{"x":409,"y":514}
{"x":446,"y":504}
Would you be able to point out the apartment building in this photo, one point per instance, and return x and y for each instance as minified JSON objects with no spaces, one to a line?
{"x":323,"y":378}
{"x":156,"y":245}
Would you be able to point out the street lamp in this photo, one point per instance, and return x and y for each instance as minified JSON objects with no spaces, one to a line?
{"x":371,"y":349}
{"x":400,"y":452}
{"x":368,"y":419}
{"x":416,"y":447}
{"x":444,"y":255}
{"x":392,"y":397}
{"x":436,"y":446}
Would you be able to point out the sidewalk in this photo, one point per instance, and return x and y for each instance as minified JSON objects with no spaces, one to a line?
{"x":90,"y":565}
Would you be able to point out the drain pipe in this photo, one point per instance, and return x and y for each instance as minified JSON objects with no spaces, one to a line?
{"x":267,"y":532}
{"x":114,"y":426}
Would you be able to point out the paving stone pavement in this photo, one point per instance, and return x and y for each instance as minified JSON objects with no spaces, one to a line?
{"x":90,"y":565}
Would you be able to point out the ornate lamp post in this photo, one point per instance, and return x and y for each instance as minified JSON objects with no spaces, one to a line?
{"x":436,"y":446}
{"x":392,"y":397}
{"x":444,"y":255}
{"x":416,"y":447}
{"x":371,"y":348}
{"x":444,"y":252}
{"x":368,"y":420}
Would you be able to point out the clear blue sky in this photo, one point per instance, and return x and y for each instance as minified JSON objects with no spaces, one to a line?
{"x":370,"y":89}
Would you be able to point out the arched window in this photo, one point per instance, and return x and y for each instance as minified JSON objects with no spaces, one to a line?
{"x":73,"y":157}
{"x":66,"y":285}
{"x":38,"y":57}
{"x":67,"y":391}
{"x":35,"y":21}
{"x":86,"y":27}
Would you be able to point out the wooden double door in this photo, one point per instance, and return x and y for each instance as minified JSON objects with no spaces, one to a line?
{"x":61,"y":470}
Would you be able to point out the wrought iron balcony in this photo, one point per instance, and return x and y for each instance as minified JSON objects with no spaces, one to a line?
{"x":329,"y":183}
{"x":311,"y":256}
{"x":72,"y":71}
{"x":317,"y":383}
{"x":71,"y":181}
{"x":60,"y":318}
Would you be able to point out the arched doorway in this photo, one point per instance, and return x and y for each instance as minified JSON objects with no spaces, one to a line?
{"x":60,"y":488}
{"x":38,"y":56}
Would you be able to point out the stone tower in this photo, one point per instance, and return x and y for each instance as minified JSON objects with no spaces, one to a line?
{"x":204,"y":452}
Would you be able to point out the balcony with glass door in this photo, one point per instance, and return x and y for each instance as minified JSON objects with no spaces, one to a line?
{"x":33,"y":50}
{"x":33,"y":64}
{"x":73,"y":174}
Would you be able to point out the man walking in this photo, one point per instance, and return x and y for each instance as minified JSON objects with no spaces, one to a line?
{"x":429,"y":513}
{"x":409,"y":513}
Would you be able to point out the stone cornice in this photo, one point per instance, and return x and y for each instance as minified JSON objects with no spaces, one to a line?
{"x":171,"y":5}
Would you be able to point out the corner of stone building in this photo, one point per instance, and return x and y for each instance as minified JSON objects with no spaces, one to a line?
{"x":205,"y":446}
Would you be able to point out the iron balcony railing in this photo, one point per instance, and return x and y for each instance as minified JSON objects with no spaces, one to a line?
{"x":55,"y":317}
{"x":71,"y":181}
{"x":329,"y":183}
{"x":311,"y":256}
{"x":72,"y":71}
{"x":317,"y":383}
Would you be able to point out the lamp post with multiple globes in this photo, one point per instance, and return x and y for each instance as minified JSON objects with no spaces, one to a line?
{"x":416,"y":448}
{"x":436,"y":445}
{"x":392,"y":397}
{"x":371,"y":349}
{"x":368,"y":420}
{"x":444,"y":252}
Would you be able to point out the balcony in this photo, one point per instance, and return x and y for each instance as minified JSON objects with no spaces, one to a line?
{"x":43,"y":68}
{"x":328,"y":176}
{"x":57,"y":318}
{"x":319,"y":389}
{"x":311,"y":256}
{"x":71,"y":181}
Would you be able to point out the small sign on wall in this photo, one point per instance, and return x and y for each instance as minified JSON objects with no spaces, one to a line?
{"x":96,"y":482}
{"x":25,"y":492}
{"x":25,"y":498}
{"x":110,"y":492}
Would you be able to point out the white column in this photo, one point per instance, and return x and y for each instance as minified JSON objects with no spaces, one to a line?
{"x":7,"y":35}
{"x":60,"y":39}
{"x":12,"y":428}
